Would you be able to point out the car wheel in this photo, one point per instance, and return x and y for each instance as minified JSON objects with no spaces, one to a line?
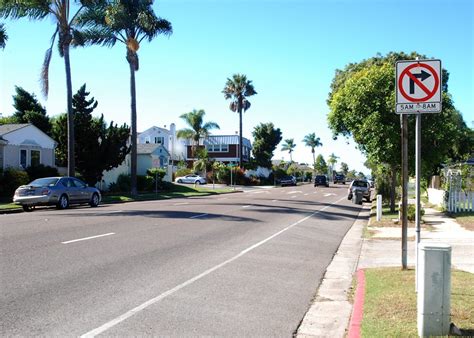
{"x":63,"y":202}
{"x":94,"y":200}
{"x":349,"y":197}
{"x":27,"y":208}
{"x":197,"y":182}
{"x":180,"y":181}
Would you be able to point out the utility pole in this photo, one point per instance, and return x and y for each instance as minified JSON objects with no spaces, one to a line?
{"x":404,"y":213}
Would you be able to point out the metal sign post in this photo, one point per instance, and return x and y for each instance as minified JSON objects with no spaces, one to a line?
{"x":418,"y":90}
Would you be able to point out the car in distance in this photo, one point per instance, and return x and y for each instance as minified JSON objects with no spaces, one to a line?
{"x":339,"y":178}
{"x":191,"y":178}
{"x":59,"y":191}
{"x":321,"y":180}
{"x":287,"y":180}
{"x":360,"y":185}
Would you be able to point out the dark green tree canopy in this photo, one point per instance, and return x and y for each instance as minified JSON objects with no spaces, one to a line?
{"x":266,"y":139}
{"x":98,"y":147}
{"x":320,"y":165}
{"x":29,"y":110}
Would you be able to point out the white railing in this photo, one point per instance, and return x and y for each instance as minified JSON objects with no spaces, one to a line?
{"x":460,"y":201}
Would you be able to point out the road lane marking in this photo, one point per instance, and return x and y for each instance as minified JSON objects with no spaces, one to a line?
{"x":306,"y":194}
{"x":246,"y":206}
{"x":197,"y":216}
{"x":87,"y":238}
{"x":185,"y":203}
{"x":293,"y":196}
{"x":165,"y":294}
{"x":274,"y":200}
{"x":295,"y":192}
{"x":326,"y":195}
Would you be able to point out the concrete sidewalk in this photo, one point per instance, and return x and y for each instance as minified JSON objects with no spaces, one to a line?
{"x":330,"y":312}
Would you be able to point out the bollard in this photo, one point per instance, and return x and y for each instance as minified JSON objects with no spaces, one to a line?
{"x":434,"y":289}
{"x":379,"y":207}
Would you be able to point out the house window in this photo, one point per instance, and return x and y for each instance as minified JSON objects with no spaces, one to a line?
{"x":159,"y":140}
{"x":147,"y":139}
{"x":35,"y":157}
{"x":217,"y":148}
{"x":23,"y":158}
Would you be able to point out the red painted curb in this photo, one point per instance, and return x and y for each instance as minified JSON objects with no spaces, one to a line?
{"x":358,"y":309}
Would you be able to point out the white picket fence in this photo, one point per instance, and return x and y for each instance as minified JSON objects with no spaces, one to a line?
{"x":460,"y":201}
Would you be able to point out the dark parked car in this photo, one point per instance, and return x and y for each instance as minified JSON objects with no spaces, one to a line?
{"x":59,"y":191}
{"x":287,"y":180}
{"x":321,"y":180}
{"x":339,"y":178}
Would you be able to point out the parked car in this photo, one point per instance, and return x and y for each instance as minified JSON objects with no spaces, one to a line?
{"x":191,"y":178}
{"x":321,"y":180}
{"x":361,"y":185}
{"x":59,"y":191}
{"x":287,"y":180}
{"x":339,"y":178}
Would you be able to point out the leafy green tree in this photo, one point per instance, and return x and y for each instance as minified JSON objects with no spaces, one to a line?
{"x":29,"y":110}
{"x":129,"y":22}
{"x":344,"y":168}
{"x":238,"y":89}
{"x":289,"y":145}
{"x":197,"y":128}
{"x":312,"y":141}
{"x":362,"y":102}
{"x":266,"y":139}
{"x":3,"y":36}
{"x":98,"y":147}
{"x":61,"y":13}
{"x":320,"y":165}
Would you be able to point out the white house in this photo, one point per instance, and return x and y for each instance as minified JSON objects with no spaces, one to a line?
{"x":24,"y":145}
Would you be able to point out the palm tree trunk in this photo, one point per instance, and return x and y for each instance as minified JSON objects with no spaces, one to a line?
{"x":314,"y":158}
{"x":240,"y":135}
{"x":133,"y":161}
{"x":70,"y":115}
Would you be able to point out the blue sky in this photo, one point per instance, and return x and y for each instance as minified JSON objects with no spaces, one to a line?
{"x":290,"y":49}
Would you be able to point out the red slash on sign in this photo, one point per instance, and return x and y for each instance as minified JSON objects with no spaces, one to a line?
{"x":414,"y":79}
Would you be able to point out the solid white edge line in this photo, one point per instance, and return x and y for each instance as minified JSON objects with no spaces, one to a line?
{"x":197,"y":216}
{"x":152,"y":301}
{"x":87,"y":238}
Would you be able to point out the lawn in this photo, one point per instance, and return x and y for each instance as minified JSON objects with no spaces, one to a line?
{"x":390,"y":303}
{"x":465,"y":219}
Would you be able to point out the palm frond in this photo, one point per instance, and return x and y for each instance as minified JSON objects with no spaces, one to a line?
{"x":3,"y":36}
{"x":33,"y":9}
{"x":44,"y":79}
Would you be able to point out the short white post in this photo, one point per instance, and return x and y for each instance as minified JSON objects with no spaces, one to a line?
{"x":379,"y":207}
{"x":434,"y":289}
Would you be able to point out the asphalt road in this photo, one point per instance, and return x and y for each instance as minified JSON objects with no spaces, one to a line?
{"x":244,"y":264}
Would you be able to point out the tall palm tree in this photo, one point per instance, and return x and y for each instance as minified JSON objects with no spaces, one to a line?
{"x":60,"y":12}
{"x":289,"y":146}
{"x":312,"y":141}
{"x":238,"y":89}
{"x":332,"y":162}
{"x":129,"y":22}
{"x":198,"y":129}
{"x":3,"y":36}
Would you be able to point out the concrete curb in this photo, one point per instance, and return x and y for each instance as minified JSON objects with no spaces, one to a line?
{"x":329,"y":314}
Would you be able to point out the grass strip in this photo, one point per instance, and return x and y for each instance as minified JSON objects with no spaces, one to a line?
{"x":390,"y":302}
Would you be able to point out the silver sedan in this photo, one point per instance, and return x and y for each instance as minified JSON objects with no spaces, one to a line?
{"x":192,"y":178}
{"x":59,"y":191}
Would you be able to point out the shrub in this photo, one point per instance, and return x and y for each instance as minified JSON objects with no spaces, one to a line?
{"x":183,"y":172}
{"x":41,"y":170}
{"x":10,"y":180}
{"x":412,"y":211}
{"x":145,"y":183}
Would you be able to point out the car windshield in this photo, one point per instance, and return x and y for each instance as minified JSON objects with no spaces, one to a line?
{"x":320,"y":177}
{"x":44,"y":182}
{"x":361,"y":184}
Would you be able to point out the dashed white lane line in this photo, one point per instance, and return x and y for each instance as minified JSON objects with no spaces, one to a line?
{"x":295,"y":192}
{"x":198,"y":216}
{"x":293,"y":196}
{"x":306,"y":194}
{"x":274,"y":200}
{"x":184,"y":203}
{"x":152,"y":301}
{"x":326,"y":195}
{"x":246,"y":206}
{"x":87,"y":238}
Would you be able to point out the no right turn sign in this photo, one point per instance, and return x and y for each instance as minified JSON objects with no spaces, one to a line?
{"x":418,"y":86}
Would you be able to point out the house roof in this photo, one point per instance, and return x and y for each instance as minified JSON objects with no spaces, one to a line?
{"x":222,"y":139}
{"x":149,"y":148}
{"x":8,"y":128}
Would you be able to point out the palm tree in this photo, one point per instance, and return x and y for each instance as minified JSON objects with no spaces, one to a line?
{"x":332,"y":162}
{"x":198,"y":129}
{"x":238,"y":89}
{"x":312,"y":141}
{"x":129,"y":22}
{"x":289,"y":146}
{"x":59,"y":11}
{"x":3,"y":36}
